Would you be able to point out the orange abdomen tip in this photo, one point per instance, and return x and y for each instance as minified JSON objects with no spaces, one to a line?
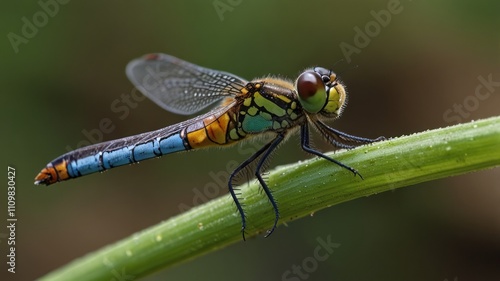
{"x":47,"y":175}
{"x":52,"y":173}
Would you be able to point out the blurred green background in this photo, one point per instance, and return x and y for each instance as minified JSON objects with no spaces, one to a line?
{"x":408,"y":75}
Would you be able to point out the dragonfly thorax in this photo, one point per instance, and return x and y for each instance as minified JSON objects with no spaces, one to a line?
{"x":268,"y":105}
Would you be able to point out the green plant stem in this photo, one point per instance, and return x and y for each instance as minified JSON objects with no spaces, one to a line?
{"x":300,"y":189}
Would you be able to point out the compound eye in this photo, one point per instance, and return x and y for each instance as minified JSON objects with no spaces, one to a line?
{"x":312,"y":92}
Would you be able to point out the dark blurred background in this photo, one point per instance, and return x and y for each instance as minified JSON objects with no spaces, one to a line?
{"x":412,"y":72}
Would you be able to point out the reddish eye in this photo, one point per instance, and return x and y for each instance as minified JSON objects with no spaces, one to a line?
{"x":311,"y":91}
{"x":308,"y":84}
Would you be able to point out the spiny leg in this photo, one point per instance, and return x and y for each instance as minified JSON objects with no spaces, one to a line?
{"x":347,"y":137}
{"x":272,"y":146}
{"x":232,"y":190}
{"x":304,"y":139}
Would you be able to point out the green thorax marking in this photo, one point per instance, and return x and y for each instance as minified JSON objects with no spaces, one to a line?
{"x":268,"y":107}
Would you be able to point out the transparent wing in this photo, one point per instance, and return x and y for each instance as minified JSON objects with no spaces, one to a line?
{"x":179,"y":86}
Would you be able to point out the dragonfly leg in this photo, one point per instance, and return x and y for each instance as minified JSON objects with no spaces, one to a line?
{"x":304,"y":139}
{"x":272,"y":146}
{"x":344,"y":137}
{"x":268,"y":148}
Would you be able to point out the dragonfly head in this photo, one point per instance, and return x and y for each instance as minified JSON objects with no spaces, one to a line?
{"x":319,"y":91}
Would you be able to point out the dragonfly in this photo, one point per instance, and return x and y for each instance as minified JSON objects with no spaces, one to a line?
{"x":267,"y":106}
